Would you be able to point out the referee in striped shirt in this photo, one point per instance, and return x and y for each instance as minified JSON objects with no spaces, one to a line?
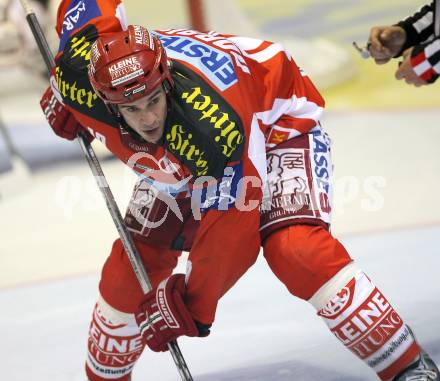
{"x":417,"y":40}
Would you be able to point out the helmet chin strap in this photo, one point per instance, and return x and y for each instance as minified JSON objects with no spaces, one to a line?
{"x":123,"y":125}
{"x":114,"y":111}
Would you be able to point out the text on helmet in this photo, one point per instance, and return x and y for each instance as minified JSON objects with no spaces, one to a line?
{"x":125,"y":70}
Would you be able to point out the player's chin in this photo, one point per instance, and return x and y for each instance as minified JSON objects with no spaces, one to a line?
{"x":152,"y":135}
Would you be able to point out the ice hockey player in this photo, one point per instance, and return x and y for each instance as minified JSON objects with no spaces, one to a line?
{"x":206,"y":119}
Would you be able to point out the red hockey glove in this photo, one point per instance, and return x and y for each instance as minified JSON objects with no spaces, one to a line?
{"x":60,"y":119}
{"x":163,"y":317}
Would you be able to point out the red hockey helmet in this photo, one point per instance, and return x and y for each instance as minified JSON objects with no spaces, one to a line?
{"x":128,"y":65}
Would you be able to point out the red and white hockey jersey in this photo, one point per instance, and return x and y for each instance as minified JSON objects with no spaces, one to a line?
{"x":234,"y":98}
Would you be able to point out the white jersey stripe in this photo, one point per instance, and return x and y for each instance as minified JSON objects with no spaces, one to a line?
{"x":257,"y":149}
{"x":303,"y":108}
{"x":246,"y":43}
{"x":425,"y":22}
{"x":295,"y":107}
{"x":268,"y":53}
{"x":280,"y":107}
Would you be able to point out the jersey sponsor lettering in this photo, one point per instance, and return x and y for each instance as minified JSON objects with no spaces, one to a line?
{"x":180,"y":142}
{"x":217,"y":41}
{"x":214,"y":63}
{"x":366,"y":316}
{"x":373,"y":330}
{"x":378,"y":336}
{"x":322,"y":168}
{"x":229,"y":136}
{"x":112,"y":346}
{"x":77,"y":92}
{"x":403,"y":339}
{"x":81,"y":48}
{"x":72,"y":92}
{"x":79,"y":13}
{"x":77,"y":50}
{"x":320,"y":159}
{"x":202,"y":130}
{"x":366,"y":323}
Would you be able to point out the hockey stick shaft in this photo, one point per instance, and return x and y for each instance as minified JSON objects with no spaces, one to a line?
{"x":96,"y":169}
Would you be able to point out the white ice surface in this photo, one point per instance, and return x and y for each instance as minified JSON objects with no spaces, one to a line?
{"x":261,"y":333}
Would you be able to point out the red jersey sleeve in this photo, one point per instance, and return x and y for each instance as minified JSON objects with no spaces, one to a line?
{"x":73,"y":15}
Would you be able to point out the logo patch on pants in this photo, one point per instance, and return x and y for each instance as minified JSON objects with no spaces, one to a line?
{"x":299,"y":182}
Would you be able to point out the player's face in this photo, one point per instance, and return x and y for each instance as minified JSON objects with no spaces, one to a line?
{"x":147,"y":115}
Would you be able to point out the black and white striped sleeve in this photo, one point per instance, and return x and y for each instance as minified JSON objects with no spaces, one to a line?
{"x":419,"y":27}
{"x":421,"y":34}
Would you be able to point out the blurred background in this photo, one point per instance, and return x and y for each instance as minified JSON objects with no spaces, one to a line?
{"x":55,"y":230}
